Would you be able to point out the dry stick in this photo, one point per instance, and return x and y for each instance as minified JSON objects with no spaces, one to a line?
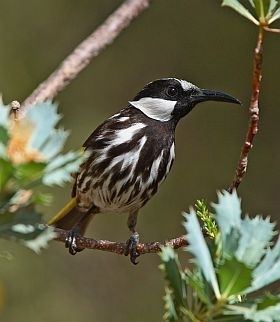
{"x":254,"y":113}
{"x":118,"y":247}
{"x":66,"y":72}
{"x":271,"y":29}
{"x":88,"y":49}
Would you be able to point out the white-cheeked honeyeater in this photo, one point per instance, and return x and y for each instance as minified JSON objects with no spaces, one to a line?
{"x":130,"y":155}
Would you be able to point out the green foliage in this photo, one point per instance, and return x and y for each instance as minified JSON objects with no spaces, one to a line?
{"x":198,"y":248}
{"x":176,"y":288}
{"x":260,"y":12}
{"x":209,"y":225}
{"x":220,"y":282}
{"x":30,"y":157}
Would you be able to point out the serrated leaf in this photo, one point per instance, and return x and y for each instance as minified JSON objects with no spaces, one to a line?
{"x":275,"y":16}
{"x":4,"y":136}
{"x":234,"y":277}
{"x":24,"y":224}
{"x":59,"y":170}
{"x":43,"y":199}
{"x":170,"y":314}
{"x":228,"y":217}
{"x":4,"y":114}
{"x":262,"y":8}
{"x":195,"y":281}
{"x":255,"y":235}
{"x":273,"y":6}
{"x":173,"y":273}
{"x":28,"y":172}
{"x":44,"y":117}
{"x":252,"y":3}
{"x":267,"y":300}
{"x":41,"y":241}
{"x":237,"y":6}
{"x":54,"y":143}
{"x":270,"y":314}
{"x":198,"y":247}
{"x":268,"y":271}
{"x":6,"y":171}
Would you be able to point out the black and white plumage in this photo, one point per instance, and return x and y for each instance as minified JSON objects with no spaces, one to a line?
{"x":130,"y":155}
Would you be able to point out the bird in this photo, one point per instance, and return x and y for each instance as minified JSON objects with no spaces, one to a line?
{"x":128,"y":157}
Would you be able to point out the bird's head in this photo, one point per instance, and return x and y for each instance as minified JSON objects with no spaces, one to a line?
{"x":171,"y":98}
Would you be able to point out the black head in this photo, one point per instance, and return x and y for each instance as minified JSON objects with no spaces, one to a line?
{"x":171,"y":98}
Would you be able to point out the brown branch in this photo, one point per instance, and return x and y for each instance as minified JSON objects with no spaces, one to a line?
{"x":88,"y":49}
{"x":254,"y":113}
{"x":271,"y":29}
{"x":118,"y":247}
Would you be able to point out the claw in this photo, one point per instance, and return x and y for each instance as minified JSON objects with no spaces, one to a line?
{"x":70,"y":242}
{"x":131,"y":248}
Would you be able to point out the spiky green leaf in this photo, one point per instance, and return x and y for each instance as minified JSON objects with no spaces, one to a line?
{"x":41,"y":241}
{"x":6,"y":172}
{"x":234,"y":277}
{"x":170,"y":313}
{"x":255,"y":235}
{"x":198,"y":248}
{"x":228,"y":217}
{"x":44,"y":118}
{"x":24,"y":224}
{"x":173,"y":273}
{"x":237,"y":6}
{"x":251,"y":313}
{"x":54,"y":144}
{"x":262,"y":8}
{"x":268,"y":271}
{"x":4,"y":136}
{"x":195,"y":281}
{"x":275,"y":16}
{"x":4,"y":114}
{"x":28,"y":172}
{"x":267,"y":300}
{"x":59,"y":170}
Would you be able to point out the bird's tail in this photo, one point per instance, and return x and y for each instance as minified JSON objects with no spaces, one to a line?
{"x":69,"y":217}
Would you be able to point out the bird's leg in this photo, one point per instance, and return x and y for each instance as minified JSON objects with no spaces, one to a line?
{"x":77,"y":230}
{"x":70,"y":241}
{"x":132,"y":242}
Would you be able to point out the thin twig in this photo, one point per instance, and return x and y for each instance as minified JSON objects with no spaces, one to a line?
{"x":254,"y":113}
{"x":88,"y":49}
{"x":271,"y":29}
{"x":118,"y":247}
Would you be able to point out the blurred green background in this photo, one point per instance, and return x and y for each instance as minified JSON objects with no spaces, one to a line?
{"x":190,"y":39}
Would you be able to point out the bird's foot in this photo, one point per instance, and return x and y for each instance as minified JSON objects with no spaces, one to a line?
{"x":131,"y":248}
{"x":71,"y":241}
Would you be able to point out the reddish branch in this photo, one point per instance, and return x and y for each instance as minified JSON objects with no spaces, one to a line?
{"x":254,"y":113}
{"x":119,"y":248}
{"x":88,"y":49}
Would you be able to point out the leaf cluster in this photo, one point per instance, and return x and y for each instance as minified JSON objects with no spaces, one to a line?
{"x":260,"y":12}
{"x":31,"y":157}
{"x":224,"y":276}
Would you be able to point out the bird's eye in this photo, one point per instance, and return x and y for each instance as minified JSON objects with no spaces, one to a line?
{"x":172,"y":91}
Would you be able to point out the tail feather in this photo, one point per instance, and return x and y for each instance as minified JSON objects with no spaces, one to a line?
{"x":71,"y":205}
{"x":69,"y":217}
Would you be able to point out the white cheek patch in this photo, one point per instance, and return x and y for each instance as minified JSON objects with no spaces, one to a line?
{"x":155,"y":108}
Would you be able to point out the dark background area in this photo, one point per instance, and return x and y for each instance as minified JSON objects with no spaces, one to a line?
{"x":190,"y":39}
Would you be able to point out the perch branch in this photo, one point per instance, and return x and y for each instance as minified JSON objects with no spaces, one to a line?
{"x":88,"y":49}
{"x":118,"y":247}
{"x":254,"y":113}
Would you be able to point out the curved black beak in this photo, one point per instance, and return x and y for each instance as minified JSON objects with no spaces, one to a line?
{"x":210,"y":95}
